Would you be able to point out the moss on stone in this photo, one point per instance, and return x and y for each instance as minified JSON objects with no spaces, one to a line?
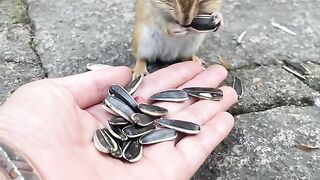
{"x":20,"y":12}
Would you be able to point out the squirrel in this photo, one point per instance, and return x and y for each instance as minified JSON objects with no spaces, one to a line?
{"x":160,"y":31}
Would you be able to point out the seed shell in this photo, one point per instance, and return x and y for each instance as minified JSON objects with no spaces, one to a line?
{"x":283,"y":28}
{"x":118,"y":152}
{"x":153,"y":110}
{"x":175,"y":95}
{"x":178,"y":125}
{"x":123,"y":144}
{"x":157,"y":136}
{"x":204,"y":23}
{"x":239,"y":40}
{"x":104,"y":142}
{"x":133,"y":131}
{"x":237,"y":86}
{"x":133,"y":151}
{"x":205,"y":93}
{"x":116,"y":132}
{"x":118,"y":121}
{"x":124,"y":96}
{"x":133,"y":86}
{"x":142,"y":119}
{"x":108,"y":109}
{"x":119,"y":107}
{"x":297,"y":66}
{"x":297,"y":74}
{"x":203,"y":89}
{"x":94,"y":67}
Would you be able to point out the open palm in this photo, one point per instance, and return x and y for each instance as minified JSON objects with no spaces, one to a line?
{"x":53,"y":121}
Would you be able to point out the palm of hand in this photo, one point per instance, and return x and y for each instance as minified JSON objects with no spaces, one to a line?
{"x":56,"y":130}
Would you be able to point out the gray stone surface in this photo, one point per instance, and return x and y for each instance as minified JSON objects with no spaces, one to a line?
{"x":267,"y":87}
{"x":18,"y":63}
{"x":71,"y":33}
{"x":263,"y":146}
{"x":313,"y":80}
{"x":263,"y":44}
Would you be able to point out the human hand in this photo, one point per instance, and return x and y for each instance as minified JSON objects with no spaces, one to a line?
{"x":52,"y":122}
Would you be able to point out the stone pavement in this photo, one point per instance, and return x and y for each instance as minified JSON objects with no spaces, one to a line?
{"x":43,"y":38}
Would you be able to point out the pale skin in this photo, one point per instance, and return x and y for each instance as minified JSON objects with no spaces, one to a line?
{"x":52,"y":122}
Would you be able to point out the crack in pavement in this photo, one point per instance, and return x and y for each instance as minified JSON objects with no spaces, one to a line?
{"x":31,"y":42}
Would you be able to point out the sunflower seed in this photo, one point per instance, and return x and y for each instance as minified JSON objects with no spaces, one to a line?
{"x":133,"y":151}
{"x":132,"y":131}
{"x":205,"y":93}
{"x":108,"y":109}
{"x":116,"y":132}
{"x":118,"y":152}
{"x":153,"y":110}
{"x":297,"y":66}
{"x":237,"y":86}
{"x":124,"y":96}
{"x":170,"y":95}
{"x":123,"y":144}
{"x":142,"y":119}
{"x":133,"y":86}
{"x":204,"y":23}
{"x":178,"y":125}
{"x":118,"y":121}
{"x":119,"y":107}
{"x":203,"y":89}
{"x":297,"y":74}
{"x":104,"y":142}
{"x":157,"y":136}
{"x":306,"y":147}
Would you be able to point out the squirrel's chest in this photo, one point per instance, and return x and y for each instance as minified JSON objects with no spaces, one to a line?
{"x":154,"y":44}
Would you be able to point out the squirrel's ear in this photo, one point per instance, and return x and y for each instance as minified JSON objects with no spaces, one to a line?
{"x":164,"y":4}
{"x":209,"y":6}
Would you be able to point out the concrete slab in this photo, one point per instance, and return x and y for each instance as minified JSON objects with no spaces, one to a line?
{"x":263,"y":145}
{"x":19,"y":64}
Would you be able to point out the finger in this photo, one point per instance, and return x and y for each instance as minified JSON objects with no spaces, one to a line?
{"x":195,"y":149}
{"x":200,"y":112}
{"x":91,"y":87}
{"x":211,"y":77}
{"x":101,"y":115}
{"x":168,"y":78}
{"x":203,"y":110}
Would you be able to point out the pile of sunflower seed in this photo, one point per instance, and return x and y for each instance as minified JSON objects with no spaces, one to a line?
{"x":135,"y":125}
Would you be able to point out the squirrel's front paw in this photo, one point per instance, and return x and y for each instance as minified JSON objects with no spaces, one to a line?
{"x":140,"y":69}
{"x":218,"y":20}
{"x":180,"y":32}
{"x":175,"y":30}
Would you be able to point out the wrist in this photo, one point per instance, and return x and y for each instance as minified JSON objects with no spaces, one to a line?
{"x":14,"y":164}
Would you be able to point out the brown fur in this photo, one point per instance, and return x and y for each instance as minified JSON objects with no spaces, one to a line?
{"x":166,"y":14}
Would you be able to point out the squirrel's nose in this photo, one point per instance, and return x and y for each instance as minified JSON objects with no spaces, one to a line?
{"x":185,"y":21}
